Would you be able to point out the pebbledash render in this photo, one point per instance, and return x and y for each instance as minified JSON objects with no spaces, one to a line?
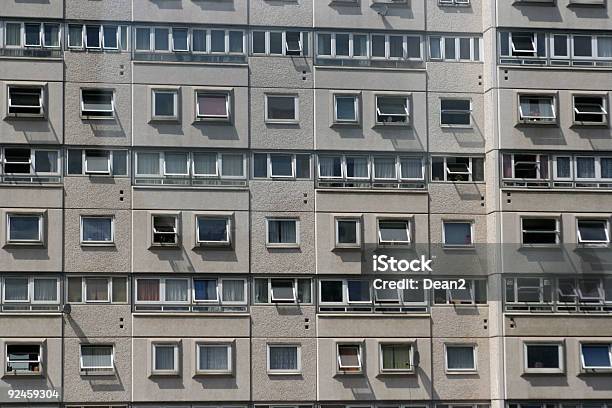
{"x":192,"y":193}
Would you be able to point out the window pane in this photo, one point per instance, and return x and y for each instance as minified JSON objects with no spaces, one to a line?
{"x":12,"y":34}
{"x":148,"y":163}
{"x":176,"y":290}
{"x":164,"y":357}
{"x":357,"y":167}
{"x":331,"y":291}
{"x":604,"y":47}
{"x":282,"y":232}
{"x":342,"y":44}
{"x":212,"y":229}
{"x":110,"y":36}
{"x":393,"y":231}
{"x":97,"y":356}
{"x":45,"y":161}
{"x":449,"y":48}
{"x":97,"y":289}
{"x":120,"y":290}
{"x":45,"y":290}
{"x":349,"y":356}
{"x":23,"y":358}
{"x":585,"y":167}
{"x":51,"y":35}
{"x":143,"y":39}
{"x":17,"y":160}
{"x":198,"y":38}
{"x":213,"y":357}
{"x":543,"y":356}
{"x":358,"y":291}
{"x":324,"y":44}
{"x":434,"y":48}
{"x":304,"y":291}
{"x":592,"y":230}
{"x":205,"y":163}
{"x":235,"y":41}
{"x":283,"y":358}
{"x":582,"y":46}
{"x":281,"y":107}
{"x":75,"y":290}
{"x":162,"y":42}
{"x":97,"y":229}
{"x":606,"y":167}
{"x":360,"y":45}
{"x":32,"y":34}
{"x":259,"y":42}
{"x":233,"y":290}
{"x":232,"y":165}
{"x":395,"y":356}
{"x":378,"y":46}
{"x":596,"y":355}
{"x":16,"y":289}
{"x":460,"y":358}
{"x":164,"y":103}
{"x":213,"y":105}
{"x":260,"y":165}
{"x":92,"y":36}
{"x":411,"y":168}
{"x":384,"y":168}
{"x":97,"y":161}
{"x":560,"y":45}
{"x":217,"y":41}
{"x":345,"y":108}
{"x":179,"y":39}
{"x":176,"y":163}
{"x":282,"y":290}
{"x":457,"y":233}
{"x":347,"y":231}
{"x":330,"y":166}
{"x":302,"y":165}
{"x":24,"y":228}
{"x":464,"y":48}
{"x":148,"y":290}
{"x":276,"y":43}
{"x":120,"y":163}
{"x":282,"y":165}
{"x":205,"y":289}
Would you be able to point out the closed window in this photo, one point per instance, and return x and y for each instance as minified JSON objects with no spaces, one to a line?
{"x":97,"y":103}
{"x":213,"y":230}
{"x":165,"y":104}
{"x":543,"y":358}
{"x":97,"y":358}
{"x":214,"y":358}
{"x":537,"y":109}
{"x":346,"y":109}
{"x":24,"y":359}
{"x":349,"y":358}
{"x":180,"y":39}
{"x":228,"y":291}
{"x":165,"y":359}
{"x":93,"y":37}
{"x":97,"y":230}
{"x":528,"y":290}
{"x":39,"y":290}
{"x":281,"y":166}
{"x":282,"y":232}
{"x":455,"y":112}
{"x":284,"y":359}
{"x":348,"y":232}
{"x":393,"y":232}
{"x":292,"y":43}
{"x":590,"y":110}
{"x":460,"y":357}
{"x":25,"y":101}
{"x":392,"y":110}
{"x":593,"y":231}
{"x":596,"y":356}
{"x":282,"y":108}
{"x":395,"y":358}
{"x":540,"y":231}
{"x":96,"y":289}
{"x":165,"y":230}
{"x":457,"y":233}
{"x":213,"y":106}
{"x":24,"y":228}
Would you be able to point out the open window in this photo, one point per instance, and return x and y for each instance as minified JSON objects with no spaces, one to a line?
{"x":590,"y":110}
{"x":25,"y":101}
{"x":525,"y":166}
{"x":349,"y":358}
{"x":523,"y":44}
{"x":213,"y":106}
{"x":98,"y":162}
{"x":283,"y":290}
{"x":455,"y":112}
{"x":24,"y":359}
{"x":537,"y":109}
{"x":392,"y":110}
{"x":165,"y":230}
{"x":97,"y":103}
{"x":596,"y":356}
{"x":293,"y":43}
{"x":540,"y":231}
{"x":593,"y":231}
{"x":97,"y":359}
{"x":393,"y":232}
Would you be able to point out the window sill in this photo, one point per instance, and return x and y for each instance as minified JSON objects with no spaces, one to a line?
{"x":212,"y":245}
{"x":283,"y":373}
{"x":349,"y":373}
{"x":458,"y":247}
{"x":590,"y":125}
{"x":462,"y":372}
{"x":97,"y":118}
{"x":96,"y":373}
{"x":164,"y":246}
{"x":396,"y":373}
{"x":158,"y":374}
{"x":213,"y":121}
{"x":338,"y":247}
{"x":10,"y":374}
{"x":391,"y":124}
{"x":172,"y":120}
{"x":529,"y":124}
{"x":346,"y":124}
{"x":536,"y":372}
{"x":595,"y":371}
{"x":25,"y":116}
{"x":101,"y":244}
{"x":448,"y":126}
{"x":24,"y":244}
{"x":281,"y":122}
{"x":283,"y":246}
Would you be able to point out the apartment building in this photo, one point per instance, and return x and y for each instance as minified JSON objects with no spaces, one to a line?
{"x":191,"y":193}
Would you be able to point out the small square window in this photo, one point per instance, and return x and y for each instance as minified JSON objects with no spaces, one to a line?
{"x":590,"y":110}
{"x":165,"y":230}
{"x":455,"y":112}
{"x":281,"y":165}
{"x":214,"y":358}
{"x":348,"y":233}
{"x":593,"y":231}
{"x":24,"y":359}
{"x":24,"y":229}
{"x":165,"y":104}
{"x":596,"y":356}
{"x":523,"y":44}
{"x":97,"y":358}
{"x":460,"y":358}
{"x":346,"y":109}
{"x":331,"y":291}
{"x":393,"y":232}
{"x":213,"y":106}
{"x":457,"y":234}
{"x":97,"y":104}
{"x":176,"y":164}
{"x":97,"y":230}
{"x":392,"y":110}
{"x":293,"y":43}
{"x":350,"y":359}
{"x":97,"y":162}
{"x":284,"y":359}
{"x":358,"y":291}
{"x":540,"y":231}
{"x":535,"y":109}
{"x":395,"y":358}
{"x":25,"y":101}
{"x":213,"y":231}
{"x":282,"y":232}
{"x":543,"y":358}
{"x":165,"y":359}
{"x":281,"y":108}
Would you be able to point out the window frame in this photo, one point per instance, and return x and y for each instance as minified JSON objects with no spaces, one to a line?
{"x":230,"y":358}
{"x":535,"y":370}
{"x":409,"y":227}
{"x":175,"y":359}
{"x":356,"y":107}
{"x":30,"y":290}
{"x":296,"y":108}
{"x":41,"y":359}
{"x":296,"y":371}
{"x":472,"y":370}
{"x":584,"y":368}
{"x":227,"y":94}
{"x":111,"y":242}
{"x":471,"y":244}
{"x":604,"y":110}
{"x":99,"y":115}
{"x":41,"y":100}
{"x":295,"y":244}
{"x":111,"y":161}
{"x":539,"y":120}
{"x":228,"y":242}
{"x":358,"y":232}
{"x":606,"y":222}
{"x":176,"y":232}
{"x":175,"y":96}
{"x":271,"y":301}
{"x":447,"y":171}
{"x":347,"y":369}
{"x":456,"y":111}
{"x":407,"y":109}
{"x":383,"y":370}
{"x":83,"y":289}
{"x":558,"y":232}
{"x":88,"y":369}
{"x":41,"y":226}
{"x":285,"y":49}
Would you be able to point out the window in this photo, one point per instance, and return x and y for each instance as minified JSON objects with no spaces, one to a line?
{"x":92,"y":37}
{"x":96,"y":289}
{"x":455,"y":112}
{"x":445,"y":48}
{"x":165,"y":359}
{"x":165,"y":104}
{"x":214,"y":358}
{"x":348,"y":232}
{"x":281,"y":166}
{"x":24,"y":359}
{"x":282,"y":232}
{"x":97,"y":104}
{"x":359,"y":168}
{"x":358,"y":295}
{"x":35,"y":290}
{"x":346,"y":109}
{"x":596,"y":356}
{"x":33,"y":35}
{"x":23,"y":161}
{"x":393,"y":232}
{"x":350,"y":359}
{"x":291,"y":43}
{"x":282,"y":290}
{"x":359,"y":46}
{"x":540,"y":231}
{"x":180,"y":39}
{"x":528,"y":290}
{"x":396,"y":358}
{"x":460,"y":358}
{"x":213,"y":230}
{"x":25,"y":101}
{"x":165,"y":230}
{"x":457,"y":169}
{"x":227,"y":291}
{"x":392,"y":110}
{"x":24,"y":228}
{"x":97,"y":230}
{"x":97,"y":37}
{"x":454,"y":2}
{"x":457,"y":234}
{"x":525,"y":166}
{"x":213,"y":106}
{"x":590,"y":110}
{"x":282,"y":108}
{"x":537,"y":109}
{"x":543,"y":358}
{"x":173,"y":291}
{"x":474,"y":293}
{"x":97,"y":358}
{"x":284,"y":359}
{"x":97,"y":162}
{"x":593,"y":231}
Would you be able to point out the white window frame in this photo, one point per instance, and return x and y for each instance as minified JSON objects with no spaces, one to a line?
{"x":351,"y":46}
{"x":384,"y":370}
{"x":456,"y":111}
{"x":593,"y":47}
{"x":283,"y":244}
{"x":606,"y":223}
{"x":557,"y":231}
{"x":604,"y":111}
{"x":83,"y":368}
{"x":31,"y":162}
{"x":117,"y":34}
{"x":228,"y":230}
{"x":568,"y":45}
{"x":92,"y":114}
{"x":295,"y":371}
{"x":109,"y":161}
{"x":346,"y":369}
{"x":356,"y":105}
{"x":538,"y":120}
{"x":219,"y":291}
{"x":296,"y":108}
{"x":176,"y":362}
{"x":40,"y":35}
{"x":560,"y":351}
{"x":473,"y":369}
{"x":85,"y":37}
{"x":175,"y":102}
{"x":537,"y":164}
{"x":108,"y":289}
{"x":274,"y":299}
{"x":187,"y":164}
{"x":30,"y":288}
{"x":543,"y":283}
{"x":383,"y":243}
{"x":83,"y":285}
{"x":21,"y":34}
{"x":41,"y":225}
{"x":594,"y":368}
{"x":407,"y":108}
{"x":41,"y":101}
{"x":99,"y":243}
{"x":172,"y":43}
{"x":357,"y":221}
{"x":470,"y":222}
{"x":40,"y":360}
{"x":230,"y":360}
{"x":285,"y":47}
{"x":214,"y":118}
{"x":175,"y":233}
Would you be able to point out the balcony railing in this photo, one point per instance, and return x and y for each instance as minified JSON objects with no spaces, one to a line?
{"x":390,"y":185}
{"x":555,"y":184}
{"x":186,"y":57}
{"x":25,"y":179}
{"x":189,"y":182}
{"x":30,"y":53}
{"x":191,"y":308}
{"x":368,"y":63}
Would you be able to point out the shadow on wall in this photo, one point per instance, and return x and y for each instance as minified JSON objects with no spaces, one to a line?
{"x":35,"y":131}
{"x":549,"y":14}
{"x":107,"y":128}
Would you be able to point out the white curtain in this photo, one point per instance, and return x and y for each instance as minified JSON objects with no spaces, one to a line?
{"x":261,"y":291}
{"x":176,"y":290}
{"x":233,"y":290}
{"x":434,"y":48}
{"x":148,"y":164}
{"x":52,"y":35}
{"x":16,"y":289}
{"x":205,"y":164}
{"x":213,"y":357}
{"x":281,"y":164}
{"x":412,"y":168}
{"x":75,"y":33}
{"x":13,"y":34}
{"x":330,"y":166}
{"x":360,"y":45}
{"x":143,"y":39}
{"x":97,"y":229}
{"x":45,"y":161}
{"x":198,"y":38}
{"x":324,"y":44}
{"x":604,"y":47}
{"x":164,"y":357}
{"x":97,"y":289}
{"x":232,"y":165}
{"x":384,"y":168}
{"x":460,"y":357}
{"x":96,"y":356}
{"x":176,"y":163}
{"x":283,"y":358}
{"x":585,"y":167}
{"x":357,"y":167}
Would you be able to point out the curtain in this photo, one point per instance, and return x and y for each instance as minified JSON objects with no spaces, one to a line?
{"x":75,"y":290}
{"x":330,"y":166}
{"x":304,"y":292}
{"x":507,"y":165}
{"x":45,"y":161}
{"x":563,"y":167}
{"x":164,"y":357}
{"x":13,"y":34}
{"x":179,"y":39}
{"x":585,"y":167}
{"x":205,"y":164}
{"x":449,"y":48}
{"x":75,"y":35}
{"x":213,"y":357}
{"x":198,"y":38}
{"x":148,"y":164}
{"x":457,"y":233}
{"x":161,"y":39}
{"x":143,"y":39}
{"x":324,"y":44}
{"x":233,"y":290}
{"x":393,"y":231}
{"x":176,"y":290}
{"x":411,"y":168}
{"x":232,"y":165}
{"x":384,"y":168}
{"x":434,"y":48}
{"x":460,"y":357}
{"x":396,"y":356}
{"x":148,"y":290}
{"x":175,"y":163}
{"x":543,"y":166}
{"x":357,"y":167}
{"x":358,"y":291}
{"x":110,"y":36}
{"x":205,"y":289}
{"x":282,"y":231}
{"x":96,"y":356}
{"x":119,"y":290}
{"x":261,"y":291}
{"x":283,"y":358}
{"x":606,"y":168}
{"x":97,"y":229}
{"x":51,"y":35}
{"x":604,"y":47}
{"x":97,"y":289}
{"x":360,"y":45}
{"x":16,"y":289}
